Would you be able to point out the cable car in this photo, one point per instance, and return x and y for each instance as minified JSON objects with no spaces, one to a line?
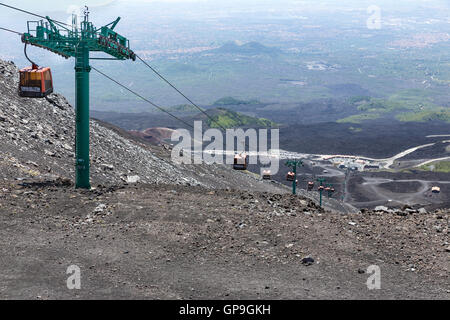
{"x":436,"y":189}
{"x":310,"y":185}
{"x":35,"y":82}
{"x":321,"y":188}
{"x":266,"y":175}
{"x":240,"y":162}
{"x":290,"y":176}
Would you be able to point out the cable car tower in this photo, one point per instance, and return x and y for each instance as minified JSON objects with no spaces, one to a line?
{"x":78,"y":43}
{"x":321,"y":188}
{"x":294,"y":164}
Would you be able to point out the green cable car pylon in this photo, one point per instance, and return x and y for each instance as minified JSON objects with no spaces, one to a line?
{"x":321,"y":188}
{"x":78,"y":43}
{"x":294,"y":164}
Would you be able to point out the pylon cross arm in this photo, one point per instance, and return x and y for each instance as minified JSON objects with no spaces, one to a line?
{"x":47,"y":35}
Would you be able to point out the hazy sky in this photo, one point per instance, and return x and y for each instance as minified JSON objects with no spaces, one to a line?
{"x":44,"y":5}
{"x":200,"y":9}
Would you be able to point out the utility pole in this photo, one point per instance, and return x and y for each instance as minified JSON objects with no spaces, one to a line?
{"x":57,"y":38}
{"x":294,"y":164}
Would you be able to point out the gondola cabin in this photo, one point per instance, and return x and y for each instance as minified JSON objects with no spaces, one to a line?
{"x":35,"y":82}
{"x":436,"y":190}
{"x":240,"y":162}
{"x":290,"y":176}
{"x":310,"y":185}
{"x":266,"y":175}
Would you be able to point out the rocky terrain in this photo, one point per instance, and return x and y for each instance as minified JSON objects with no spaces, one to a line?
{"x":176,"y":242}
{"x":153,"y":229}
{"x":154,"y":136}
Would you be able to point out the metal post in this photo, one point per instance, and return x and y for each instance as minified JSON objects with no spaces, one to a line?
{"x":320,"y":197}
{"x":294,"y":183}
{"x":321,"y":180}
{"x":344,"y":187}
{"x":82,"y":70}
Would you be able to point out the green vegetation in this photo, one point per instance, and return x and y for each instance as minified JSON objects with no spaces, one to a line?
{"x":439,"y":114}
{"x":373,"y":104}
{"x":230,"y":101}
{"x":358,"y":118}
{"x":414,"y":105}
{"x":358,"y":99}
{"x":230,"y":119}
{"x":442,"y":166}
{"x":411,"y":99}
{"x":183,"y":108}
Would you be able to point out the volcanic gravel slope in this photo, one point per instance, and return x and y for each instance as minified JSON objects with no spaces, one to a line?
{"x":175,"y":242}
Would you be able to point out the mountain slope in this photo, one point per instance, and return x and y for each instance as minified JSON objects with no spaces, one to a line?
{"x":38,"y":142}
{"x":154,"y":136}
{"x":247,"y":49}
